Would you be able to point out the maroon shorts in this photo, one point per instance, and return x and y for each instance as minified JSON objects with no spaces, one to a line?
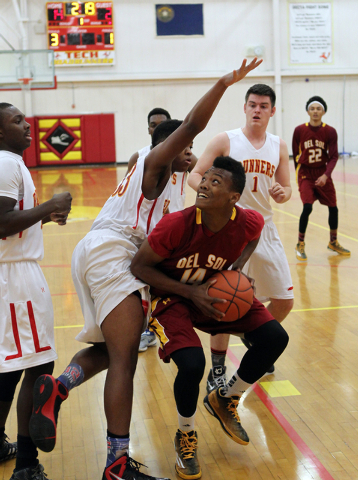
{"x":174,"y":318}
{"x":309,"y":192}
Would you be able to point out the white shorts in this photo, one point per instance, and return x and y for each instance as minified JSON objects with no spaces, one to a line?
{"x":26,"y":317}
{"x":269,"y":267}
{"x":102,"y":277}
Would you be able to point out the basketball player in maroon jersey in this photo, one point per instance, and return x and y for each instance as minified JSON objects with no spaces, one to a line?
{"x":315,"y":153}
{"x":176,"y":260}
{"x":111,"y":298}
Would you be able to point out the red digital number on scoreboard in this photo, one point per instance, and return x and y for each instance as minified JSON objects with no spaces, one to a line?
{"x":81,"y":33}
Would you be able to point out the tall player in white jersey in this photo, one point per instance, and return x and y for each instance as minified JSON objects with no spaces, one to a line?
{"x":177,"y":197}
{"x":265,"y":159}
{"x":113,"y":301}
{"x":26,"y":314}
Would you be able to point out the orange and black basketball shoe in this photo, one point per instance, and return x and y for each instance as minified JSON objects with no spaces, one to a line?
{"x":49,"y":393}
{"x":125,"y":468}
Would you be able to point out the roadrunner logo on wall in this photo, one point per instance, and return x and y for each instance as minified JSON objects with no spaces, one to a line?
{"x":60,"y":139}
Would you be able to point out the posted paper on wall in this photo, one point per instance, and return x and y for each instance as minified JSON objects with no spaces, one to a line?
{"x":310,"y":33}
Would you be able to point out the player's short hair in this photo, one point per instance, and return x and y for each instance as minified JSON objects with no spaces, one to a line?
{"x":235,"y":168}
{"x":158,"y":111}
{"x":262,"y":90}
{"x":3,"y":106}
{"x":163,"y":130}
{"x":316,"y":98}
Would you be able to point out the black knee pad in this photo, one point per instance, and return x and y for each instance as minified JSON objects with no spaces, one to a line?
{"x":8,"y":383}
{"x":307,"y":209}
{"x":190,"y":362}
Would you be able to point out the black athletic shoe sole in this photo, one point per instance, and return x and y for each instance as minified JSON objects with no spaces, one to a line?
{"x":48,"y":396}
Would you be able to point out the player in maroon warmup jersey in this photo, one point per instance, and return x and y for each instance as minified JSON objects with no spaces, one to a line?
{"x":315,"y":154}
{"x":177,"y":260}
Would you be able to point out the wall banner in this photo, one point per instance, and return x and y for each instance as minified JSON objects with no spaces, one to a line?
{"x":310,"y":33}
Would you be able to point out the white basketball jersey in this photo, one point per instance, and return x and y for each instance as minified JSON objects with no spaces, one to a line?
{"x":177,"y":200}
{"x":178,"y":181}
{"x":260,"y":166}
{"x":128,"y":212}
{"x":143,"y":152}
{"x":26,"y":245}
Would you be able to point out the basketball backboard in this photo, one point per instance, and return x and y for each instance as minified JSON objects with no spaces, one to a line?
{"x":33,"y":69}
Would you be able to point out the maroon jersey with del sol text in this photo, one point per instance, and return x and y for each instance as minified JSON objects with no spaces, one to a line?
{"x":315,"y":147}
{"x":192,"y":253}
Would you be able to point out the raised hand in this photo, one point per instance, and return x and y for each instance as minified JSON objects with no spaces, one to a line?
{"x":241,"y":73}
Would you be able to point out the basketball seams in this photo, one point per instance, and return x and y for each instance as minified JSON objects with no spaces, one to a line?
{"x":232,"y":293}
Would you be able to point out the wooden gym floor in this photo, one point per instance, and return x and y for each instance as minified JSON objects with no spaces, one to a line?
{"x":302,"y":420}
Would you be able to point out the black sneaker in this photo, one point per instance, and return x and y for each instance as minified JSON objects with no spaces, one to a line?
{"x":216,"y":378}
{"x":125,"y":468}
{"x":7,"y":450}
{"x":187,"y":463}
{"x":32,"y":473}
{"x":49,"y":393}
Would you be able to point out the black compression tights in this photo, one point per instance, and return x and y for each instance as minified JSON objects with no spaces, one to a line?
{"x":307,"y":209}
{"x":191,"y":364}
{"x":267,"y":344}
{"x":8,"y":382}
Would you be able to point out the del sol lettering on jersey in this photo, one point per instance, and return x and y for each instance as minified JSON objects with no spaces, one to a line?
{"x":192,"y":262}
{"x":314,"y":143}
{"x":253,"y":165}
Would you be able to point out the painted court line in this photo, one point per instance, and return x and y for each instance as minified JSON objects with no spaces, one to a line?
{"x":324,"y":308}
{"x":290,"y":431}
{"x":314,"y":224}
{"x":321,"y":265}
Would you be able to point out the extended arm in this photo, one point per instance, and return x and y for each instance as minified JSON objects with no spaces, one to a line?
{"x":217,"y":147}
{"x":144,"y":267}
{"x":332,"y":153}
{"x":14,"y":221}
{"x":158,"y":162}
{"x":281,"y":190}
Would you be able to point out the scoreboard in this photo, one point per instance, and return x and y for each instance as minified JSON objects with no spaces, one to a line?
{"x":81,"y":33}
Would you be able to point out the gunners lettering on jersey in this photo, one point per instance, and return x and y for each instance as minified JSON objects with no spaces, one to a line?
{"x":166,"y":206}
{"x":317,"y":143}
{"x":254,"y":165}
{"x":174,"y":178}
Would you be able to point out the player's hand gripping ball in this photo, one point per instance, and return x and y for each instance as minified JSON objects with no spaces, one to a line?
{"x":234,"y":287}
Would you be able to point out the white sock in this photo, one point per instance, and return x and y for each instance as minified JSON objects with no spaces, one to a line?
{"x":186,"y":424}
{"x":235,"y":386}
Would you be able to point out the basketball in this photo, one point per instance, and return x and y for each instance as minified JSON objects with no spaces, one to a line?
{"x":236,"y":289}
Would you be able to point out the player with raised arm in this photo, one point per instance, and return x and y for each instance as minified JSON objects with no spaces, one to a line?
{"x":177,"y":199}
{"x":315,"y":152}
{"x":27,"y":342}
{"x":265,"y":159}
{"x":179,"y":256}
{"x":114,"y":302}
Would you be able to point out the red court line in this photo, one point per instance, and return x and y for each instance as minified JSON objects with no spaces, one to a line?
{"x":349,"y":178}
{"x":290,"y":431}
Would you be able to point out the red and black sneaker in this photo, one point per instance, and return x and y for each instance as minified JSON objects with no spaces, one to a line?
{"x":125,"y":468}
{"x":49,"y":393}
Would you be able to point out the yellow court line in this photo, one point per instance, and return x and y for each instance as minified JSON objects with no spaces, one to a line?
{"x":347,"y":194}
{"x":70,"y":326}
{"x":314,"y":224}
{"x":235,"y":344}
{"x":324,"y":308}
